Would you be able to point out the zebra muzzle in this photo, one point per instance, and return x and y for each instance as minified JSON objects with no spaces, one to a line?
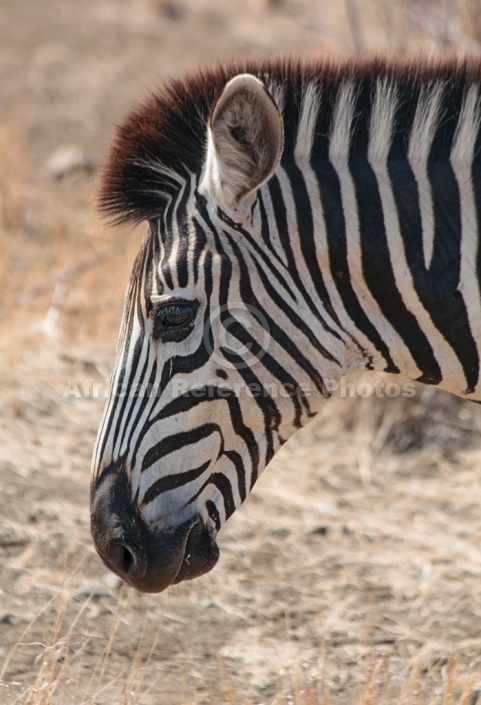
{"x":148,"y":560}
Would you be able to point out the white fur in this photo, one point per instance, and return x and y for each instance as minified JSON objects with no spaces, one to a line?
{"x":311,"y":101}
{"x":422,"y":134}
{"x":467,"y":129}
{"x":342,"y":118}
{"x":462,"y":155}
{"x":278,"y":93}
{"x":383,"y":113}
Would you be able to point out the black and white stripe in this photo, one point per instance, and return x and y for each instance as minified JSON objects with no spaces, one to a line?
{"x":353,"y":244}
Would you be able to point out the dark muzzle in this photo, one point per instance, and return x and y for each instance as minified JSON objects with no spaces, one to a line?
{"x":149,"y":560}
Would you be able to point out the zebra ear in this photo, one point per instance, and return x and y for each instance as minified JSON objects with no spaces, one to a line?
{"x":245,"y":141}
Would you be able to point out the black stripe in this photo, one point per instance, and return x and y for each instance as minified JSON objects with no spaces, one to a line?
{"x":199,"y":245}
{"x":116,"y":467}
{"x":149,"y":261}
{"x":167,"y":240}
{"x":213,"y":513}
{"x":184,"y":235}
{"x":173,"y":482}
{"x":265,"y":231}
{"x":379,"y":275}
{"x":305,"y":230}
{"x":156,"y":255}
{"x":445,"y":302}
{"x":236,"y":460}
{"x":280,"y":213}
{"x":330,"y":193}
{"x":223,"y":485}
{"x":270,"y":412}
{"x":177,"y":441}
{"x":476,"y":182}
{"x":436,"y":287}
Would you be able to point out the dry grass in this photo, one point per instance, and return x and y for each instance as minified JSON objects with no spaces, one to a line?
{"x":62,"y":664}
{"x":64,"y":673}
{"x":352,"y":575}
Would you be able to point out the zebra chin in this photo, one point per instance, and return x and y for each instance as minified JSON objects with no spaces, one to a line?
{"x":150,"y":560}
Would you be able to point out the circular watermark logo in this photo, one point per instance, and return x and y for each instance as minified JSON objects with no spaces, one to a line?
{"x":236,"y":335}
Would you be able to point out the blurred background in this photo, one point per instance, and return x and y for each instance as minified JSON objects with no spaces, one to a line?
{"x":352,"y":574}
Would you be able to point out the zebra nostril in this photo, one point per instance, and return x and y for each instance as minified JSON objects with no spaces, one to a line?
{"x":127,"y":561}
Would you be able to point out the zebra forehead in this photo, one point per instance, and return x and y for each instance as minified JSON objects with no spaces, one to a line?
{"x":162,"y":142}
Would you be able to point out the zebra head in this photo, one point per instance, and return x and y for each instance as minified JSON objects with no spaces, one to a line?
{"x":211,"y":375}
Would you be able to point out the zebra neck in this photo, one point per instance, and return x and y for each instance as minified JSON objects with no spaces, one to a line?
{"x":397,"y":256}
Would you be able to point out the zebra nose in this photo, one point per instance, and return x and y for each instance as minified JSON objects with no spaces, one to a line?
{"x":118,"y":533}
{"x":149,"y":560}
{"x":126,"y":560}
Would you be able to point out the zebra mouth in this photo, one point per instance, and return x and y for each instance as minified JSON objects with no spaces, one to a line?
{"x":201,"y":553}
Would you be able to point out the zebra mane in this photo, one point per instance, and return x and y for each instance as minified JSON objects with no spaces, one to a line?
{"x":163,"y":141}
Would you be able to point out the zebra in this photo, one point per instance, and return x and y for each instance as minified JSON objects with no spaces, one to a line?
{"x":306,"y":219}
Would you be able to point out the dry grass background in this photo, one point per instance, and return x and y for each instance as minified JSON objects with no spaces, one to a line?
{"x":353,"y":573}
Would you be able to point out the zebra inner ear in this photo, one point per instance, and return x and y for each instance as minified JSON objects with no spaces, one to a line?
{"x":245,"y":141}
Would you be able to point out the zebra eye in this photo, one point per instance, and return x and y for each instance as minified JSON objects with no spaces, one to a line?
{"x":174,"y":315}
{"x":173,"y":320}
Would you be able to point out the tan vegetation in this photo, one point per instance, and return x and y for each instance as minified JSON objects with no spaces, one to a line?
{"x":353,"y":573}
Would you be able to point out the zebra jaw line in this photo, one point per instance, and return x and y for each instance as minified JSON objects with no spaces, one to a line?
{"x":305,"y":221}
